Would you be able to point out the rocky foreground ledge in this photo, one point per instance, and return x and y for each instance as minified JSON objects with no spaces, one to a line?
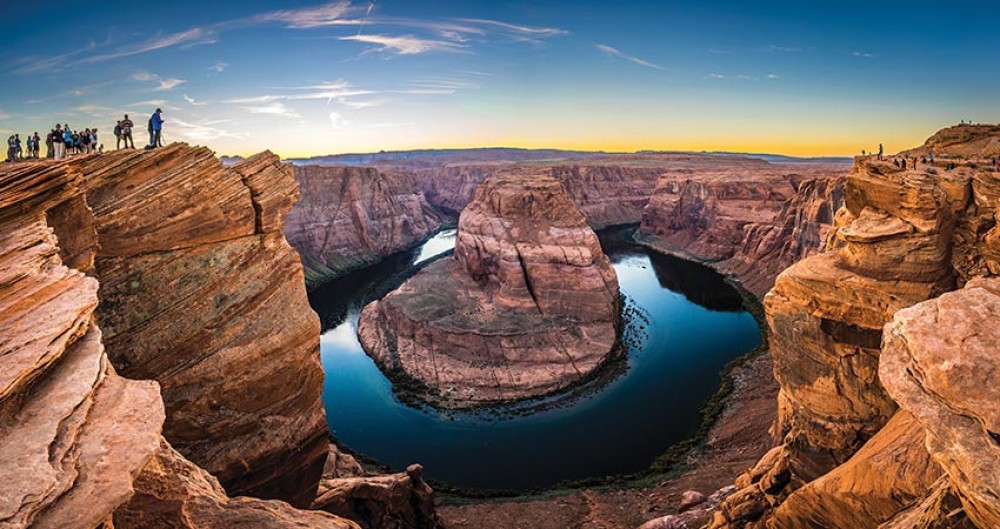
{"x":527,"y":305}
{"x":167,"y":267}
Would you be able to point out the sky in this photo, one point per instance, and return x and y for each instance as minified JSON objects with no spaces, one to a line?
{"x":306,"y":78}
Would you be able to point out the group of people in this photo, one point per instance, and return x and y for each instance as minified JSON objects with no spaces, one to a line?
{"x":16,"y":152}
{"x":62,"y":141}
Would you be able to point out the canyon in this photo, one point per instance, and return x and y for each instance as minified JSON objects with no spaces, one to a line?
{"x":527,"y":305}
{"x":163,"y":361}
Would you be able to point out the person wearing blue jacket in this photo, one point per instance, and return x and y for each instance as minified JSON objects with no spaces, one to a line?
{"x":155,"y":129}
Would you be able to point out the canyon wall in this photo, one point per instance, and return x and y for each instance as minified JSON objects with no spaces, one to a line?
{"x":200,"y":292}
{"x":527,"y":305}
{"x":608,"y":194}
{"x":885,"y":412}
{"x":82,"y":446}
{"x":351,"y":217}
{"x":749,"y":222}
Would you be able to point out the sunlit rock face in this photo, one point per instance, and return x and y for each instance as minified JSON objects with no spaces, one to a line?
{"x":527,"y":305}
{"x":200,"y":292}
{"x":351,"y":217}
{"x":73,"y":434}
{"x":884,"y":408}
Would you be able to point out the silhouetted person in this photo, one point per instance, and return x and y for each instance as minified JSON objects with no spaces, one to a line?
{"x":127,"y":127}
{"x":904,"y":164}
{"x":38,"y":147}
{"x":155,"y":129}
{"x":880,"y":152}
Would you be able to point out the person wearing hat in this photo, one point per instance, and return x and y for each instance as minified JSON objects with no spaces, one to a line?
{"x":155,"y":129}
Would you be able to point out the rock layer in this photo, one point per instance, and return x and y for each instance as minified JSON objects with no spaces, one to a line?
{"x":750,"y":221}
{"x":173,"y":493}
{"x":527,"y":305}
{"x":200,"y":292}
{"x":848,"y":455}
{"x":73,"y":434}
{"x":351,"y":217}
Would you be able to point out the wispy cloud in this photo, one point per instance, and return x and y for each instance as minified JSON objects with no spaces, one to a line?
{"x":205,"y":131}
{"x":614,"y":52}
{"x":219,"y":67}
{"x":863,"y":54}
{"x":191,"y":101}
{"x":532,"y":34}
{"x":773,"y":77}
{"x":189,"y":38}
{"x":149,"y":103}
{"x":163,"y":85}
{"x":274,"y":109}
{"x":405,"y":45}
{"x":337,"y":121}
{"x":785,"y":49}
{"x":4,"y":115}
{"x":333,"y":13}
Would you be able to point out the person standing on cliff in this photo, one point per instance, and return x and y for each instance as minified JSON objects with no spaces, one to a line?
{"x":57,"y":143}
{"x":127,"y":132}
{"x":36,"y":139}
{"x":155,"y":129}
{"x":880,"y":151}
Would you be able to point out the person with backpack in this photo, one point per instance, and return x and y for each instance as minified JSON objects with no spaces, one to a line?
{"x":18,"y":153}
{"x":155,"y":129}
{"x":10,"y":149}
{"x":67,"y":139}
{"x":127,"y":126}
{"x":36,"y":140}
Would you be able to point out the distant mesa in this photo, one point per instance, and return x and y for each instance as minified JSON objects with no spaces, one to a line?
{"x":527,"y":305}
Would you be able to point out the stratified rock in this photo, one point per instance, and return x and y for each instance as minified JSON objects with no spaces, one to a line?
{"x":173,"y":493}
{"x":528,"y":304}
{"x":751,"y":220}
{"x":940,"y":509}
{"x":888,"y":474}
{"x":608,"y":192}
{"x":73,"y":434}
{"x":974,"y":141}
{"x":200,"y":292}
{"x":939,"y":362}
{"x":394,"y":501}
{"x":826,"y":315}
{"x":351,"y":217}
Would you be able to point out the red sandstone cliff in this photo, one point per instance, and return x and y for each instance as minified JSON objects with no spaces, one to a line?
{"x":351,"y":217}
{"x":751,"y":222}
{"x":885,"y":411}
{"x":81,"y":446}
{"x":527,"y":305}
{"x":608,"y":193}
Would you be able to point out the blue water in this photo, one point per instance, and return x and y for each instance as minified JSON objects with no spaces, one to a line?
{"x":690,"y":325}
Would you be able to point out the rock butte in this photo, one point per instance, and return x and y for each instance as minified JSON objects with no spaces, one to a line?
{"x":527,"y":305}
{"x":138,"y":252}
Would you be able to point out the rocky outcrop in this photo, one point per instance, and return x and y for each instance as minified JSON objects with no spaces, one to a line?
{"x":965,"y":141}
{"x":173,"y":493}
{"x":885,"y":428}
{"x":939,"y":363}
{"x":200,"y":292}
{"x":351,"y":217}
{"x":527,"y":305}
{"x":393,"y":501}
{"x":73,"y":434}
{"x":751,"y":222}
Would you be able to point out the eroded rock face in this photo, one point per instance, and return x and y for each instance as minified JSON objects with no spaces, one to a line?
{"x":173,"y":493}
{"x":73,"y":434}
{"x":826,"y":314}
{"x":608,"y":193}
{"x":751,"y":220}
{"x":200,"y":292}
{"x":393,"y":501}
{"x":527,"y":305}
{"x":939,"y":362}
{"x":351,"y":217}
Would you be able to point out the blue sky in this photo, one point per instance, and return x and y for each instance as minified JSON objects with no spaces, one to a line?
{"x":305,"y":78}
